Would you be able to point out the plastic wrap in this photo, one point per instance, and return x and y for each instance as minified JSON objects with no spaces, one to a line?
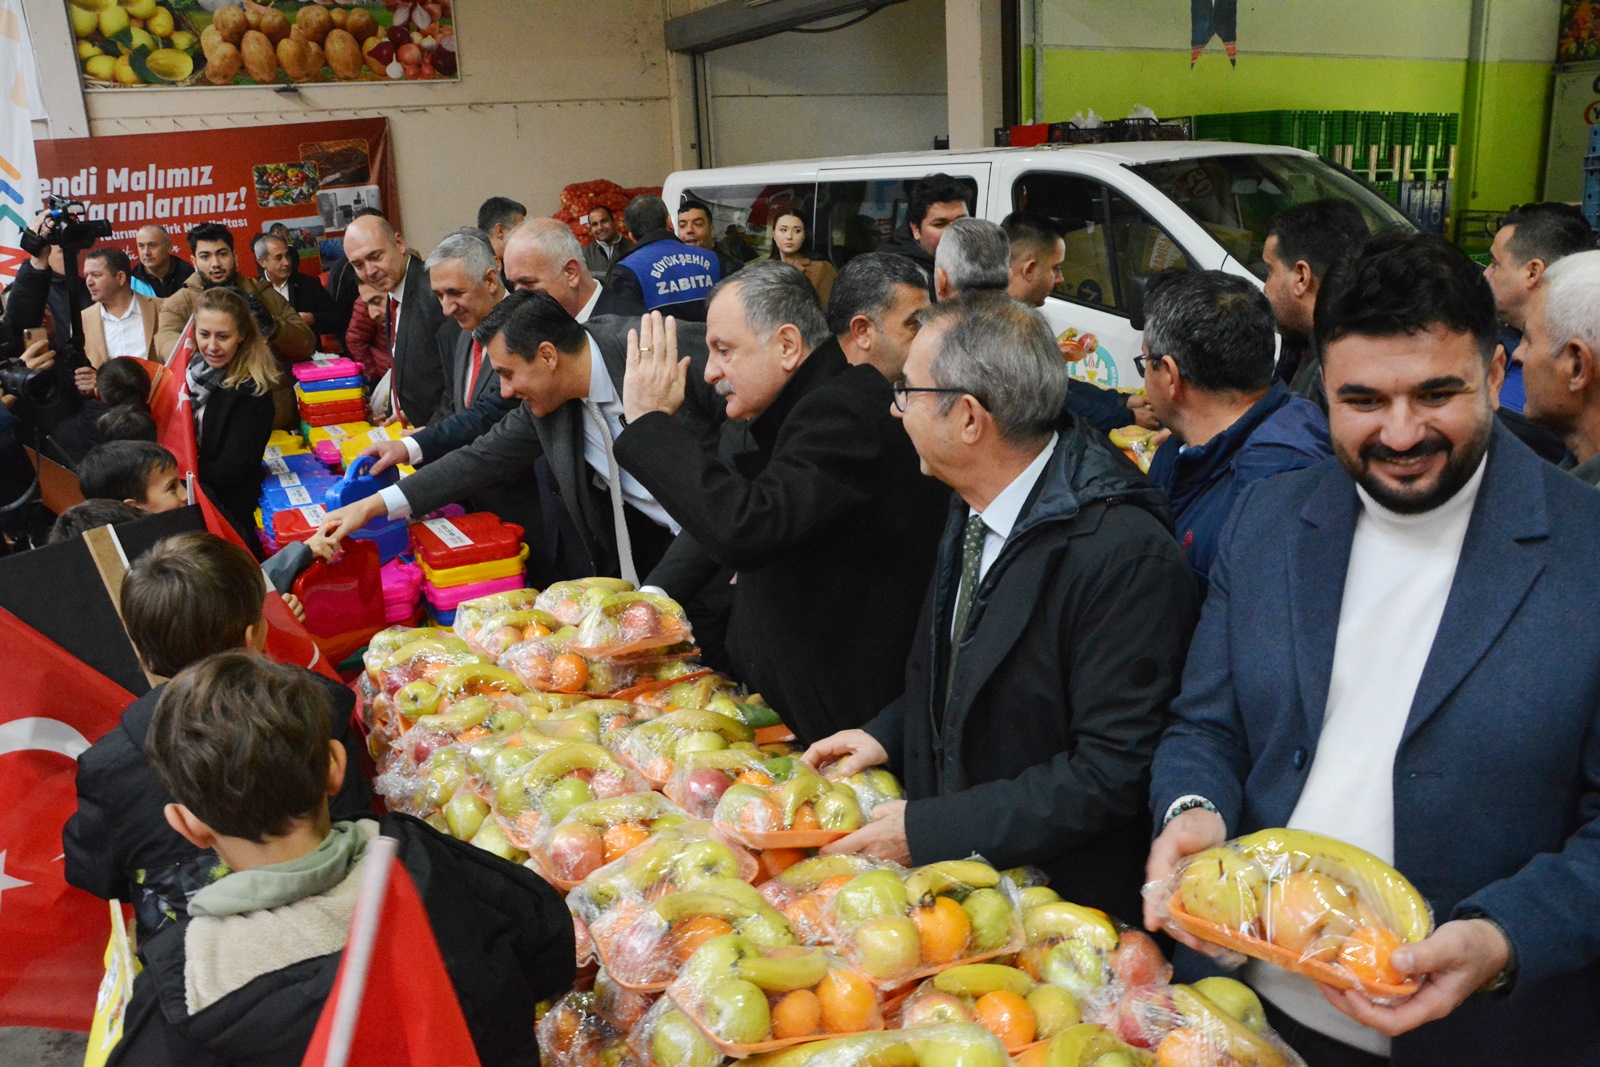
{"x":654,"y":748}
{"x":894,"y":927}
{"x":424,"y":660}
{"x":700,"y":778}
{"x":664,"y":1037}
{"x":749,"y":1001}
{"x":632,"y":623}
{"x":573,"y":1034}
{"x":544,"y":663}
{"x":1084,"y":951}
{"x":472,"y":614}
{"x":873,"y":786}
{"x":1091,"y":1045}
{"x":1305,"y":902}
{"x":1217,"y":1022}
{"x":539,"y":794}
{"x":622,"y":1008}
{"x":1002,"y":999}
{"x":804,"y":810}
{"x":600,"y":832}
{"x":496,"y":635}
{"x":955,"y":1045}
{"x":570,"y":601}
{"x":803,"y":892}
{"x":385,"y":643}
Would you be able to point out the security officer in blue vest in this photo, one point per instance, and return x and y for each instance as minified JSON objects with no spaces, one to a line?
{"x":663,"y":273}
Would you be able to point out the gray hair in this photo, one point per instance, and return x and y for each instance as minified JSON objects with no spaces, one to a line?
{"x":1572,"y":300}
{"x":552,"y":238}
{"x":1217,"y":327}
{"x":255,"y":246}
{"x":774,"y":294}
{"x":975,"y":255}
{"x":471,"y":246}
{"x":1004,"y":354}
{"x":866,"y":287}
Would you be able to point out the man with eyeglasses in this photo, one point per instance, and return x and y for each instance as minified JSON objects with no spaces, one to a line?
{"x":1053,"y":632}
{"x":1207,"y":369}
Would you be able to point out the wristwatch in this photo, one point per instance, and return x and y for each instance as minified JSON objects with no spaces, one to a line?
{"x":1188,"y":802}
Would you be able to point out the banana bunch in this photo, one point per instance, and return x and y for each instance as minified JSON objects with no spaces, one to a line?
{"x":570,"y":601}
{"x":953,"y":1045}
{"x":744,"y":995}
{"x":1088,"y":1045}
{"x":474,"y":616}
{"x":805,"y":801}
{"x":656,"y":745}
{"x":949,"y":878}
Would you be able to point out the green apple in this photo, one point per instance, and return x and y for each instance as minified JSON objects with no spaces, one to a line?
{"x":414,"y":699}
{"x":1076,"y":966}
{"x":1224,"y":887}
{"x":703,"y":861}
{"x":699,"y":741}
{"x":958,"y":1046}
{"x":837,"y":809}
{"x":465,"y":814}
{"x":1235,"y":998}
{"x":870,"y":896}
{"x":887,"y":947}
{"x":677,"y":1042}
{"x":505,"y":762}
{"x":991,"y":916}
{"x":490,"y":839}
{"x":1054,"y":1009}
{"x":737,"y":1011}
{"x":563,"y":796}
{"x":713,"y":961}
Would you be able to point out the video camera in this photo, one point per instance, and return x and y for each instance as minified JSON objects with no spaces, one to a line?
{"x":31,"y":385}
{"x":65,"y":223}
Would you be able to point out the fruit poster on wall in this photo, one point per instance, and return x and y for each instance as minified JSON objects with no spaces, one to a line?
{"x":304,"y":180}
{"x":141,"y":44}
{"x":1579,"y":38}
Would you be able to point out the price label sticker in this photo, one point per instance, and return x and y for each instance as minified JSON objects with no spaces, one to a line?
{"x":449,"y":533}
{"x":299,"y":496}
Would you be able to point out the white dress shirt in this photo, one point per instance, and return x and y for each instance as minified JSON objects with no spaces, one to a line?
{"x":1000,"y":517}
{"x":125,"y":332}
{"x":588,"y":308}
{"x":604,"y":395}
{"x":283,"y":291}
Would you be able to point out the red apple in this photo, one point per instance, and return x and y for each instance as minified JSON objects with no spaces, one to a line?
{"x":1137,"y":961}
{"x":702,"y":789}
{"x":931,"y":1008}
{"x":638,"y":620}
{"x":576,"y":850}
{"x":1144,"y":1015}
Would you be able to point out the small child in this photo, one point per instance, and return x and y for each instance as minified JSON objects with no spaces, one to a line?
{"x":79,"y":519}
{"x":191,"y":595}
{"x":116,"y":408}
{"x":241,"y":745}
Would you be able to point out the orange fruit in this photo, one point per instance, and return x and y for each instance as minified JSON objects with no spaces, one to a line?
{"x":848,"y":1000}
{"x":753,"y":777}
{"x":533,"y":630}
{"x":805,"y":818}
{"x":569,"y":673}
{"x":1030,"y":961}
{"x":796,"y":1014}
{"x":692,"y":933}
{"x":943,"y":930}
{"x":1186,"y":1047}
{"x":759,"y":814}
{"x":622,"y":837}
{"x":1365,"y":954}
{"x":1007,"y":1016}
{"x":774,"y":861}
{"x":535,"y":671}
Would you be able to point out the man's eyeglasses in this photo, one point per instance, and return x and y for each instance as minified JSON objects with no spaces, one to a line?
{"x":902,"y":392}
{"x":1138,"y":363}
{"x":1142,"y":363}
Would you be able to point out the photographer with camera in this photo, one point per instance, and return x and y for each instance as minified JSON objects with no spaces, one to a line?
{"x":289,"y":338}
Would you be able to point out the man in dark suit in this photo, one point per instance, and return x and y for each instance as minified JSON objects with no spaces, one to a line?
{"x":542,"y":254}
{"x":279,"y":266}
{"x":1052,"y":635}
{"x":378,"y":255}
{"x":566,"y":375}
{"x":824,"y":507}
{"x":1395,"y":652}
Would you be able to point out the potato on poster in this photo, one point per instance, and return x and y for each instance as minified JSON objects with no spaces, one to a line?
{"x":132,"y":44}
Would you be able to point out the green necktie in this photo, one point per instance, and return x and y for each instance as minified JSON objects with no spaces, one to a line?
{"x":971,"y":556}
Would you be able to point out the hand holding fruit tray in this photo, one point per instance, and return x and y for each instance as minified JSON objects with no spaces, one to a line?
{"x":896,"y":925}
{"x":1305,"y":902}
{"x":1216,"y":1022}
{"x":749,"y":1000}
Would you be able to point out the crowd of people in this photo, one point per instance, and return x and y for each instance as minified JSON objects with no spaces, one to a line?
{"x":1349,"y":595}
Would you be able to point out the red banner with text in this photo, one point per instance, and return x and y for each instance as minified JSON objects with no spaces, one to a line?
{"x":309,"y":178}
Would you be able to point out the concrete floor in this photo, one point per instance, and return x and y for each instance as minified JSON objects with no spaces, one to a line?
{"x":22,"y":1046}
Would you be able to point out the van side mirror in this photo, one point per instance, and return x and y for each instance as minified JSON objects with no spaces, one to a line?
{"x":1137,"y":286}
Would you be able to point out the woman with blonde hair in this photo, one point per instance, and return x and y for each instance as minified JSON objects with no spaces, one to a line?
{"x":788,"y":241}
{"x":229,"y":382}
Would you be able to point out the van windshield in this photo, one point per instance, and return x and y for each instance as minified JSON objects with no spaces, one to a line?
{"x":1235,"y":198}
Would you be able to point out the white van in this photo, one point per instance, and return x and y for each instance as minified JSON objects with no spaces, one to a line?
{"x":1128,"y":210}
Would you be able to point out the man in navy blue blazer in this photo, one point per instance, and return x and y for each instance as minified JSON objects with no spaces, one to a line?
{"x":1398,"y":650}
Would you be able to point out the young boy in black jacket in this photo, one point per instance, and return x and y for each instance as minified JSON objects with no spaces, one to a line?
{"x":191,"y":595}
{"x":242,"y":746}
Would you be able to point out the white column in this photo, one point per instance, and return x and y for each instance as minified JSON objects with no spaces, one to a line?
{"x":973,"y":64}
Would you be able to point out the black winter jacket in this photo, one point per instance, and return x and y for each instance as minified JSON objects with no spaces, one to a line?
{"x":1072,"y":652}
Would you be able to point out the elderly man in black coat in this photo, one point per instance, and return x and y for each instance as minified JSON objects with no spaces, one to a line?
{"x":824,"y":517}
{"x":1053,"y":634}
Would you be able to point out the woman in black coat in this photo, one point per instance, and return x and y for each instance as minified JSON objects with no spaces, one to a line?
{"x":230,"y":379}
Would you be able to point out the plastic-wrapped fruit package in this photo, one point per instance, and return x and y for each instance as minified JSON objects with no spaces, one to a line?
{"x":1305,"y":902}
{"x":1084,"y":951}
{"x":1217,"y":1022}
{"x":573,"y":1034}
{"x":622,"y":1008}
{"x":1092,"y":1045}
{"x":749,"y":1000}
{"x":803,"y":892}
{"x":471,"y":615}
{"x":700,"y":778}
{"x":873,"y":786}
{"x":1002,"y":999}
{"x":385,"y":643}
{"x":894,"y":927}
{"x":539,"y":794}
{"x":571,"y":601}
{"x":952,"y":1045}
{"x":630,"y":623}
{"x":423,"y":660}
{"x":600,"y":832}
{"x":497,"y":634}
{"x":654,"y":748}
{"x":664,"y":1037}
{"x":544,"y":663}
{"x":716,"y":692}
{"x":494,"y":761}
{"x":803,"y":811}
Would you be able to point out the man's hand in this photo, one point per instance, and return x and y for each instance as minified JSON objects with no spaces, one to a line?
{"x":39,"y":356}
{"x":309,"y":319}
{"x":1143,"y":413}
{"x":350,"y":518}
{"x":1454,"y":963}
{"x":883,"y":838}
{"x":388,"y":453}
{"x":656,"y":377}
{"x":856,"y":750}
{"x":1194,"y":831}
{"x":84,"y":378}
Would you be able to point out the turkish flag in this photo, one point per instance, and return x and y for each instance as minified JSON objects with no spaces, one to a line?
{"x":403,"y":968}
{"x":52,"y":936}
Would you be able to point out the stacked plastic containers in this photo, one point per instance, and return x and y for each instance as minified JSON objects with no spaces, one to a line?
{"x":296,"y":480}
{"x":330,"y":392}
{"x":465,"y":557}
{"x":402,"y":592}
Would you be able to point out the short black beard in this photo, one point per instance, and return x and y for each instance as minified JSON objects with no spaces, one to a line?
{"x":1458,"y":470}
{"x":207,"y":283}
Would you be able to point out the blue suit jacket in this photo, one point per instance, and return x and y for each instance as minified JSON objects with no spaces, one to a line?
{"x":1497,"y":777}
